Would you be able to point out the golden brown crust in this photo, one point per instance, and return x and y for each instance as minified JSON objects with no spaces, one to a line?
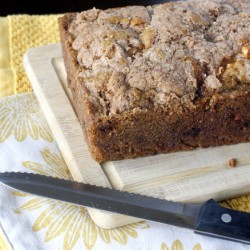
{"x":83,"y":108}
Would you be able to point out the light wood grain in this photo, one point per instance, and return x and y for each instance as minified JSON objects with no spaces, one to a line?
{"x":193,"y":176}
{"x":182,"y":167}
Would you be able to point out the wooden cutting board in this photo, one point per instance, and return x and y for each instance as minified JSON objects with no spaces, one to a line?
{"x":193,"y":176}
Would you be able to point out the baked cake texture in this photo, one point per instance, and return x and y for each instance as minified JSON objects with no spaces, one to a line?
{"x":162,"y":78}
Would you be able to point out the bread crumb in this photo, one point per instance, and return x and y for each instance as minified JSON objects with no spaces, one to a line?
{"x":232,"y":163}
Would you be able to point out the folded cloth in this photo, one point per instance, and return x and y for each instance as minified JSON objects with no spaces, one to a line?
{"x":26,"y":31}
{"x":6,"y":73}
{"x":30,"y":222}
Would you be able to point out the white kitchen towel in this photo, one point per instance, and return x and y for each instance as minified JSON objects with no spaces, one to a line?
{"x":30,"y":222}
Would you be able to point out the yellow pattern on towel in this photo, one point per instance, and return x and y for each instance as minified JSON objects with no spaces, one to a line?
{"x":28,"y":31}
{"x":4,"y":245}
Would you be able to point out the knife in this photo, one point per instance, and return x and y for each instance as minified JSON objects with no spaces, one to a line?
{"x":208,"y":219}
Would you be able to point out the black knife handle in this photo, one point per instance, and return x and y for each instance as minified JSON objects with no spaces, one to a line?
{"x":216,"y":221}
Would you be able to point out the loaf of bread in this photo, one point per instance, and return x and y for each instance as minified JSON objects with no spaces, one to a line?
{"x":157,"y":79}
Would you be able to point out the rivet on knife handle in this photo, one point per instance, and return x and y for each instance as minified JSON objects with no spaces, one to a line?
{"x":216,"y":221}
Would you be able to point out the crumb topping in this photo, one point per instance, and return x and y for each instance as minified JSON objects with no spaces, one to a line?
{"x":164,"y":55}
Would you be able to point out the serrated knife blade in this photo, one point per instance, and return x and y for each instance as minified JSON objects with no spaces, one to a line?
{"x":208,"y":218}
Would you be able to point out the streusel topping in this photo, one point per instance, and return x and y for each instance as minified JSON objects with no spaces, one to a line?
{"x":162,"y":56}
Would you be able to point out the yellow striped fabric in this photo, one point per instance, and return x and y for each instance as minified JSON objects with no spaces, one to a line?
{"x":26,"y":31}
{"x":6,"y":74}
